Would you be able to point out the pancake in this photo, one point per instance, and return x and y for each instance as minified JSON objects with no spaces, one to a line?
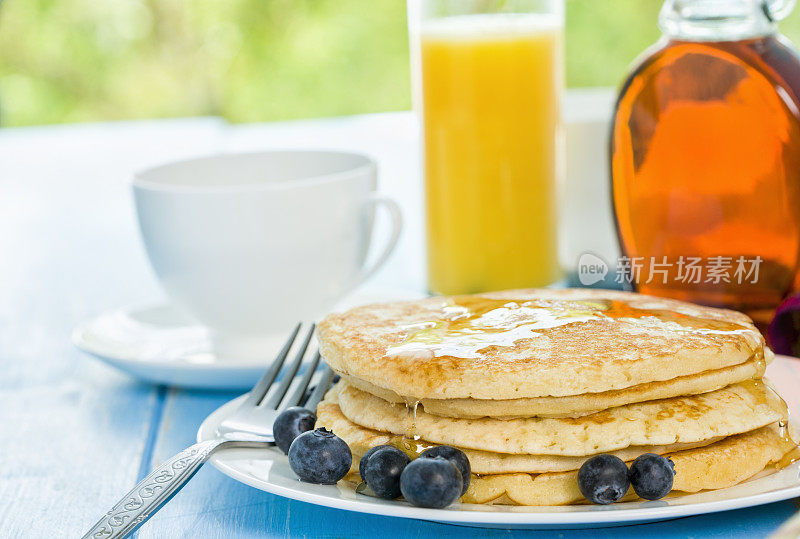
{"x":361,"y":439}
{"x":719,"y":465}
{"x":521,"y":344}
{"x":732,"y":410}
{"x":578,"y":405}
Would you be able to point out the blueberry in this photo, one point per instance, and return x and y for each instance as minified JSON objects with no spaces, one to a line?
{"x":603,"y":479}
{"x":363,"y":462}
{"x":319,"y":456}
{"x":290,"y":424}
{"x":382,"y":471}
{"x":454,"y":455}
{"x":431,"y":482}
{"x":651,"y":476}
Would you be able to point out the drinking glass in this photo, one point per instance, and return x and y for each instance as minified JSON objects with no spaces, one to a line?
{"x":488,"y":78}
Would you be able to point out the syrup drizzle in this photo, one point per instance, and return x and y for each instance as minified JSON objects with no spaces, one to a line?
{"x":412,"y":448}
{"x":763,"y":392}
{"x":472,"y":323}
{"x":761,"y":364}
{"x":411,"y":418}
{"x":788,"y":444}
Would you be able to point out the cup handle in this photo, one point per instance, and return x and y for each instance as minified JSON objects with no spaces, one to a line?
{"x":376,"y":201}
{"x":779,"y":9}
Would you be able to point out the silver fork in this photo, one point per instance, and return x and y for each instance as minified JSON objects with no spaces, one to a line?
{"x":249,"y":426}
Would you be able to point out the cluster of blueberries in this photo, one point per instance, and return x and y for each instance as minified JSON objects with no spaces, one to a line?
{"x":441,"y":474}
{"x":436,"y":479}
{"x":604,"y":479}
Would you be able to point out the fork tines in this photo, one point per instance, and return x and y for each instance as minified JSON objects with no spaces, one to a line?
{"x":278,"y":397}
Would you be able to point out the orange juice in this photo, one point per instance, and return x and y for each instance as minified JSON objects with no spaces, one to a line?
{"x":490,"y":111}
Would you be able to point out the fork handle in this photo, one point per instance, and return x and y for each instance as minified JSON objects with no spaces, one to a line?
{"x":153,"y":491}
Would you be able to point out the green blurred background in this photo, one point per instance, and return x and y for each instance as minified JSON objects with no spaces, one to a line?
{"x":253,"y":60}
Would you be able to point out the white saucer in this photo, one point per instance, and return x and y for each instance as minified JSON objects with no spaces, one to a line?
{"x":268,"y":470}
{"x":162,"y":345}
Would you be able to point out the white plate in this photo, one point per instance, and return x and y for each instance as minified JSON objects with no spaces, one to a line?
{"x":162,"y":345}
{"x":269,"y":470}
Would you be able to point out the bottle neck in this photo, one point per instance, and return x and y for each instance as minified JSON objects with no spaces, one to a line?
{"x":721,"y":20}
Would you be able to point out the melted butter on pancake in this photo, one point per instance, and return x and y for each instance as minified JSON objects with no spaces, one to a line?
{"x":470,"y":324}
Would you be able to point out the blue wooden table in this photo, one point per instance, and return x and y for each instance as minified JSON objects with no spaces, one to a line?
{"x":76,"y":434}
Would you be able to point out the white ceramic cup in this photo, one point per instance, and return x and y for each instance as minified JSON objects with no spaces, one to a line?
{"x":250,"y":244}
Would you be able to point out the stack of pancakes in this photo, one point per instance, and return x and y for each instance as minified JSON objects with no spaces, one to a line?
{"x":531,"y":383}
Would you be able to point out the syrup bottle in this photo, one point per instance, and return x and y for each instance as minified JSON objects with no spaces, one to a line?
{"x":705,"y":158}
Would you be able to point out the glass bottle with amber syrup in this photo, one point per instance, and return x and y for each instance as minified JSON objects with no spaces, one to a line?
{"x":705,"y":158}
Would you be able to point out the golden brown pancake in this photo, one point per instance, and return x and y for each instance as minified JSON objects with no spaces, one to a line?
{"x":361,"y":439}
{"x":522,"y":344}
{"x":531,"y":383}
{"x":732,"y":410}
{"x":578,"y":405}
{"x":719,"y":465}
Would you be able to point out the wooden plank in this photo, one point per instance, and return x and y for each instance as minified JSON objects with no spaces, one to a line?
{"x":73,"y":431}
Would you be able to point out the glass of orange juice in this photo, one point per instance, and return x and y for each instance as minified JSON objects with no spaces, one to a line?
{"x":487,"y":82}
